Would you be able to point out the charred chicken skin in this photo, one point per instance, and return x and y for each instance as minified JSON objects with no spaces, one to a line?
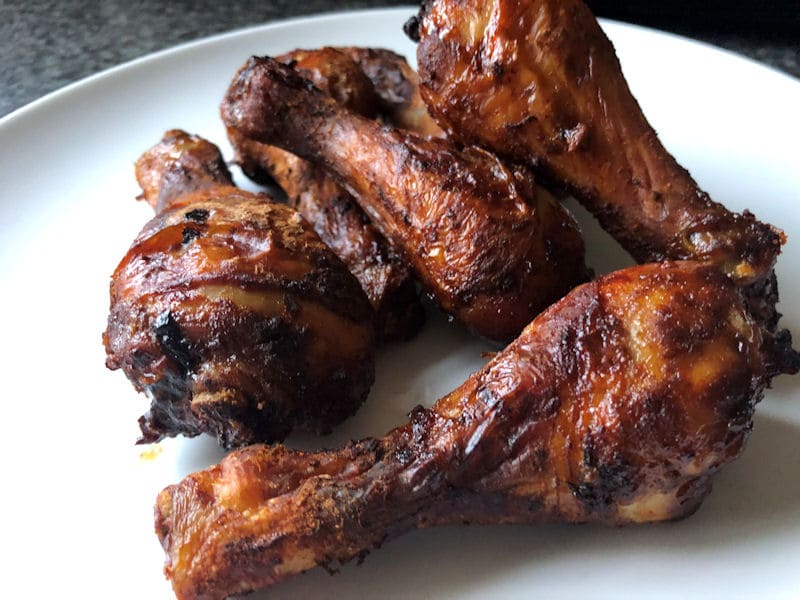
{"x":331,"y":210}
{"x":230,"y":313}
{"x":487,"y":245}
{"x":397,"y":86}
{"x":616,"y":405}
{"x":538,"y":82}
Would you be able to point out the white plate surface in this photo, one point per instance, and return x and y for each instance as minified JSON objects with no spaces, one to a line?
{"x":77,"y":495}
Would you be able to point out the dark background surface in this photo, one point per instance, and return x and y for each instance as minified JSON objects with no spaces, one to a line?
{"x":46,"y":45}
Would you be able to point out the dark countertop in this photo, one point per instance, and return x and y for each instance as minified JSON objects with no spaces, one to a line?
{"x":45,"y":45}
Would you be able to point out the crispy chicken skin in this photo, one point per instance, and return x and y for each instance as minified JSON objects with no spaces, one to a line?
{"x":482,"y":241}
{"x":397,"y":86}
{"x":537,"y":81}
{"x":230,"y":313}
{"x":616,"y":405}
{"x":331,"y":210}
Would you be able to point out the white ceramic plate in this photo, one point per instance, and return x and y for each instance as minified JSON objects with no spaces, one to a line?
{"x":77,"y":495}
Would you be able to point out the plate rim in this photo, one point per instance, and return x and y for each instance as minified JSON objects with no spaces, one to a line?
{"x":334,"y":15}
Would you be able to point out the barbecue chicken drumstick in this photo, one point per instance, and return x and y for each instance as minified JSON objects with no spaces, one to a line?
{"x":616,"y":405}
{"x":372,"y":82}
{"x":538,"y":82}
{"x":489,"y":248}
{"x":230,"y":313}
{"x":331,"y":210}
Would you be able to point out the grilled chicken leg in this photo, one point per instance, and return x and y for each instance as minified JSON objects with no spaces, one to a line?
{"x":616,"y":405}
{"x":331,"y":210}
{"x":488,"y":248}
{"x":230,"y":313}
{"x":538,"y":82}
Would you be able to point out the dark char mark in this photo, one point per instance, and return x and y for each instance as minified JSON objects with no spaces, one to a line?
{"x":174,"y":344}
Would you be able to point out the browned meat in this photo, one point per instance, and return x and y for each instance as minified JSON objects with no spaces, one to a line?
{"x":176,"y":167}
{"x":617,"y":405}
{"x":332,"y":72}
{"x":397,"y":86}
{"x":331,"y":210}
{"x":538,"y":82}
{"x":488,"y":248}
{"x":230,"y":313}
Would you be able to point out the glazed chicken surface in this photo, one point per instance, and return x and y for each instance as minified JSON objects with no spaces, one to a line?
{"x":230,"y":313}
{"x":379,"y":84}
{"x":616,"y":405}
{"x":397,"y":86}
{"x":538,"y":82}
{"x":491,"y":248}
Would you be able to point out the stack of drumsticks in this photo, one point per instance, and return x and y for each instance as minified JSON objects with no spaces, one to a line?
{"x":246,"y":317}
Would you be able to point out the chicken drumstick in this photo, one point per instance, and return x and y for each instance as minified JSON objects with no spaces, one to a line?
{"x":230,"y":313}
{"x":335,"y":215}
{"x":616,"y":405}
{"x":538,"y":82}
{"x":488,"y":247}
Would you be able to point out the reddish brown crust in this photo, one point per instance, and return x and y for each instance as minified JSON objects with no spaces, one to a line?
{"x":477,"y":241}
{"x":178,"y":165}
{"x":397,"y":86}
{"x":331,"y":210}
{"x":232,"y":315}
{"x":335,"y":72}
{"x":538,"y":82}
{"x":616,"y":405}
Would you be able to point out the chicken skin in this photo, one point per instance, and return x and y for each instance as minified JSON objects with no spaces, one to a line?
{"x":616,"y":405}
{"x":331,"y":210}
{"x":538,"y":82}
{"x":488,"y":246}
{"x":397,"y":86}
{"x":230,"y":313}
